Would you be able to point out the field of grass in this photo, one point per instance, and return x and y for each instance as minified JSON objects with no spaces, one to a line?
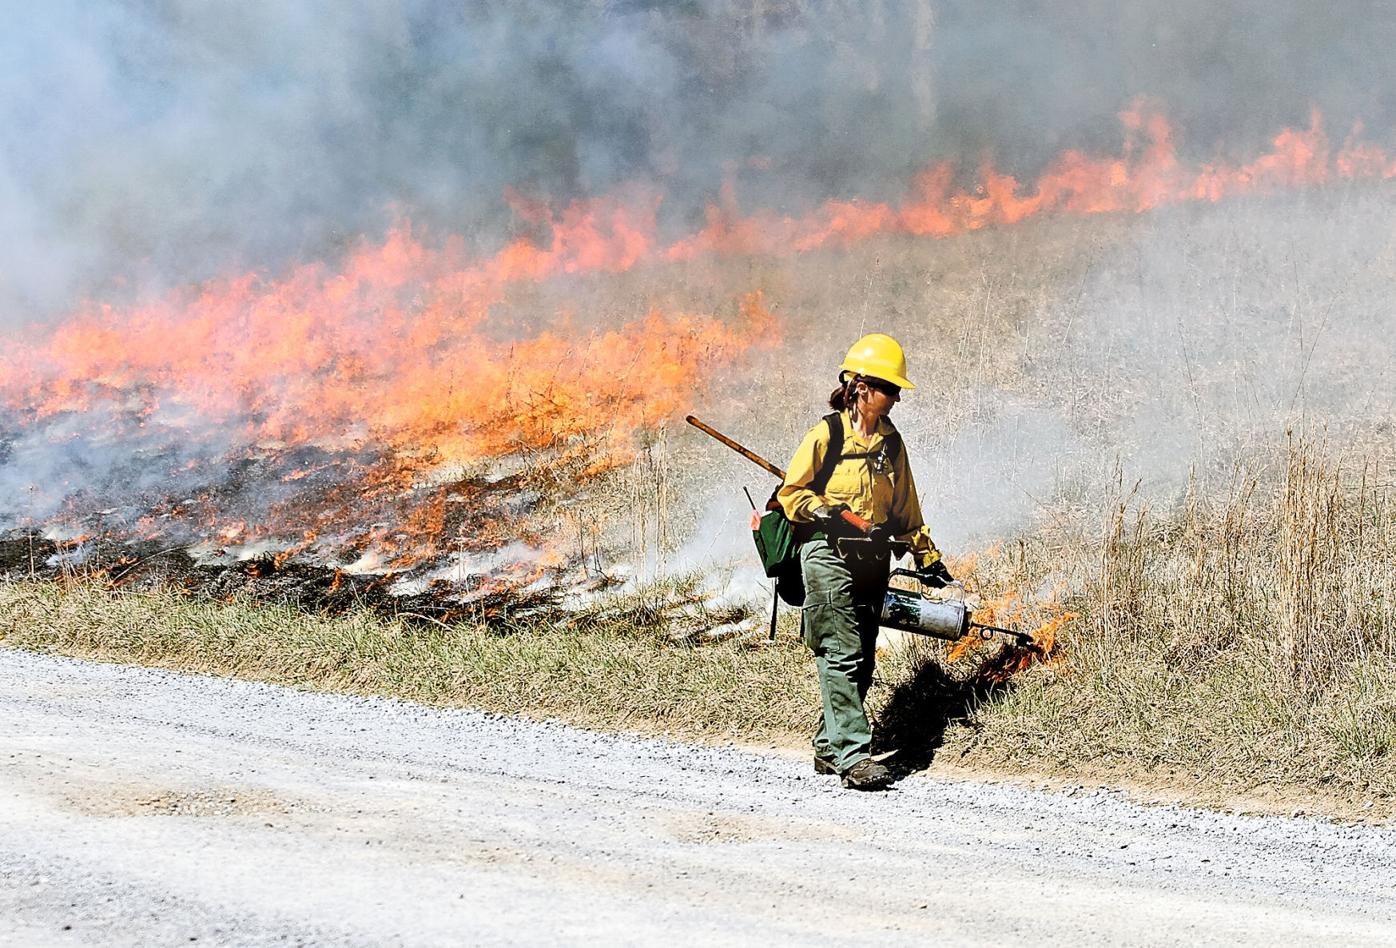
{"x":1248,"y":639}
{"x":1177,"y":426}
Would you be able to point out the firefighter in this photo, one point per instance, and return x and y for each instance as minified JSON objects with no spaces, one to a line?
{"x":845,"y":581}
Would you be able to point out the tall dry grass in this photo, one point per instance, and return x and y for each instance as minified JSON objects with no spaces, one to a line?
{"x":1242,"y":638}
{"x":1295,"y":568}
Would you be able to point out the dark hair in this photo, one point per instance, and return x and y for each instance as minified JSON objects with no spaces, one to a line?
{"x":843,"y":396}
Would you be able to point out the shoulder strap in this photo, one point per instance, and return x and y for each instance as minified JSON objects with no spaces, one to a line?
{"x":892,"y":444}
{"x":834,"y":422}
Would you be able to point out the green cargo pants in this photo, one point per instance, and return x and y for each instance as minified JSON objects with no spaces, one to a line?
{"x":843,"y":600}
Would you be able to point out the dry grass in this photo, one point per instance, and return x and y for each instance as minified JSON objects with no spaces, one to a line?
{"x":1299,"y":573}
{"x":1242,"y":640}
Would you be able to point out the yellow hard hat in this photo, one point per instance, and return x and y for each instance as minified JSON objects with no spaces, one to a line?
{"x":881,"y":357}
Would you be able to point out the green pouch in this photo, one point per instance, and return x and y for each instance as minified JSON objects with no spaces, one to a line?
{"x":777,"y":539}
{"x":779,"y":549}
{"x":775,"y":542}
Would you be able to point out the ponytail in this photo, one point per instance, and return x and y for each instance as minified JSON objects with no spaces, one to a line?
{"x":845,"y":397}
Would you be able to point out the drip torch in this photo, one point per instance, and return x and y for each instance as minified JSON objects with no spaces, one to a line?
{"x":938,"y":618}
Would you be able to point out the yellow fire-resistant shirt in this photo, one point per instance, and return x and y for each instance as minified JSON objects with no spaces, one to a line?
{"x":880,"y":494}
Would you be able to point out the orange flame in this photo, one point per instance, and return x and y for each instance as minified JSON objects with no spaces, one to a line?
{"x":387,"y":350}
{"x":1045,"y":620}
{"x":394,"y":352}
{"x":1042,"y":617}
{"x":1147,"y":175}
{"x":247,"y":345}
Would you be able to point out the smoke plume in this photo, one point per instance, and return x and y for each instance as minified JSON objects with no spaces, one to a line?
{"x":154,"y":143}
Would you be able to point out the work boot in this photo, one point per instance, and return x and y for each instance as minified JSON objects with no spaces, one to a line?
{"x":867,"y":774}
{"x":824,"y":766}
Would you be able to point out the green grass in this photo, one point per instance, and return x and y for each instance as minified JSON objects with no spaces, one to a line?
{"x":601,"y":675}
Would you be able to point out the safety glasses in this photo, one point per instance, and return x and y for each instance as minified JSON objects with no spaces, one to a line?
{"x":886,"y":388}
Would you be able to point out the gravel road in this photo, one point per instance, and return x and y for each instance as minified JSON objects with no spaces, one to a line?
{"x":139,"y":807}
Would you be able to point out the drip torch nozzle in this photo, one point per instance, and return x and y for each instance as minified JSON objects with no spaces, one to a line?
{"x":989,"y":631}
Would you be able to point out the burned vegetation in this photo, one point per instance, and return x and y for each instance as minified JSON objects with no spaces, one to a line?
{"x":424,"y":591}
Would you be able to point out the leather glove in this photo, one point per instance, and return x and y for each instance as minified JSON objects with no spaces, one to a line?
{"x":826,"y":514}
{"x":936,"y":575}
{"x":880,"y":534}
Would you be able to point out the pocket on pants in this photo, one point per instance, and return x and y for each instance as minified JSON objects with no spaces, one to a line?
{"x":828,"y":623}
{"x":813,"y":617}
